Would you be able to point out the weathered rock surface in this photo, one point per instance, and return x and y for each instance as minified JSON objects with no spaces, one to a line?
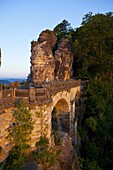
{"x":42,"y":60}
{"x":50,"y":60}
{"x":63,"y":60}
{"x":31,"y":166}
{"x":56,"y":167}
{"x":48,"y":36}
{"x":67,"y":159}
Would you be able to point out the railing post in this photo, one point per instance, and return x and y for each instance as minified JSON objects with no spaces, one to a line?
{"x":31,"y":94}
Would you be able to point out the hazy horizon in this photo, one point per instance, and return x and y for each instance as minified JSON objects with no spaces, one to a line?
{"x":9,"y":78}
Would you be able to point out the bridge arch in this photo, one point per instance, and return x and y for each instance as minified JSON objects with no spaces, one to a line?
{"x":63,"y":113}
{"x":61,"y":116}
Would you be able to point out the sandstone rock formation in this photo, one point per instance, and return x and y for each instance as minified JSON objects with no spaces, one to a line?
{"x":67,"y":159}
{"x":50,"y":60}
{"x":42,"y":60}
{"x":63,"y":60}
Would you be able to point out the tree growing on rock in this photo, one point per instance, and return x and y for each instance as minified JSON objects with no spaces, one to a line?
{"x":22,"y":126}
{"x":62,"y":29}
{"x":20,"y":135}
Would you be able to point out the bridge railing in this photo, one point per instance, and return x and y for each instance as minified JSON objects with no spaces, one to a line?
{"x":36,"y":95}
{"x":8,"y":93}
{"x":57,"y":86}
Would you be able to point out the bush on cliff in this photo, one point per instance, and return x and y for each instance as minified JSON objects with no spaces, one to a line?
{"x":21,"y":130}
{"x":22,"y":126}
{"x":46,"y":155}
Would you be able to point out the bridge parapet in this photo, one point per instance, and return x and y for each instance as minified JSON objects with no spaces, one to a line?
{"x":33,"y":95}
{"x":58,"y":86}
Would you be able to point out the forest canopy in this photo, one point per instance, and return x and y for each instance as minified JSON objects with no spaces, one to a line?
{"x":93,"y":61}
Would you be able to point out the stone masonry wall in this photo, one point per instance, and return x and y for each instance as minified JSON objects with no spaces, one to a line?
{"x":40,"y":102}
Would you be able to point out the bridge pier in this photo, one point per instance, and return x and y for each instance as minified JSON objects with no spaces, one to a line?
{"x":73,"y":123}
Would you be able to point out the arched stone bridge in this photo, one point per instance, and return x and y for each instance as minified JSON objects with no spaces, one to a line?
{"x":52,"y":107}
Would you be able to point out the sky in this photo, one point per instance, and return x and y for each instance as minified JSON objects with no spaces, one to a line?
{"x":21,"y":21}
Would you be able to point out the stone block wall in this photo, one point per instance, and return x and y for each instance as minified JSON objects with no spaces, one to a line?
{"x":40,"y":102}
{"x":5,"y":127}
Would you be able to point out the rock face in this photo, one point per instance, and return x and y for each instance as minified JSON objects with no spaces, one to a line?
{"x":50,"y":60}
{"x":31,"y":166}
{"x":67,"y":160}
{"x":67,"y":157}
{"x":42,"y":60}
{"x":63,"y":60}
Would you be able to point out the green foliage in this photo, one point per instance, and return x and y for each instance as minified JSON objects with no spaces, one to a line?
{"x":82,"y":132}
{"x":97,"y":124}
{"x":38,"y":114}
{"x":57,"y":138}
{"x":88,"y":165}
{"x":92,"y":123}
{"x":21,"y":130}
{"x":90,"y":150}
{"x":95,"y":58}
{"x":43,"y":142}
{"x":22,"y":126}
{"x":15,"y":160}
{"x":63,"y":30}
{"x":46,"y":155}
{"x":95,"y":49}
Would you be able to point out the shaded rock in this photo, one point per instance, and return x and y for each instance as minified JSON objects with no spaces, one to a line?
{"x":56,"y":167}
{"x":40,"y":167}
{"x":67,"y":157}
{"x":48,"y":36}
{"x":33,"y":44}
{"x":63,"y":60}
{"x":31,"y":166}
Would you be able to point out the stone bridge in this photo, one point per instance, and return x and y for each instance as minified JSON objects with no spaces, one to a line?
{"x":52,"y":107}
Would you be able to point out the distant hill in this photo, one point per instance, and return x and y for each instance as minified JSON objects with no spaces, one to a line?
{"x":9,"y":80}
{"x":4,"y":82}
